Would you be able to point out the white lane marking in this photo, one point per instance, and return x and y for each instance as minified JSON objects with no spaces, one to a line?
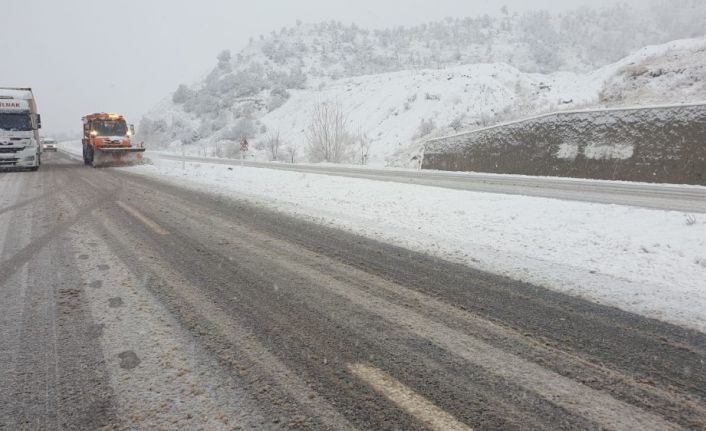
{"x":138,"y":215}
{"x":430,"y":415}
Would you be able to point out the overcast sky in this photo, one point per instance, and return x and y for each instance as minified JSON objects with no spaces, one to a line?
{"x":83,"y":56}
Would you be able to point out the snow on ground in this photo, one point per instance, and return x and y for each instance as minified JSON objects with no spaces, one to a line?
{"x":73,"y":148}
{"x":644,"y":261}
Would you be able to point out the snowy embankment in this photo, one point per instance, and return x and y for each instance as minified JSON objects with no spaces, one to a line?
{"x":644,"y":261}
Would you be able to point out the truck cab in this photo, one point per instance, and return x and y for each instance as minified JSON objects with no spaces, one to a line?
{"x":19,"y":129}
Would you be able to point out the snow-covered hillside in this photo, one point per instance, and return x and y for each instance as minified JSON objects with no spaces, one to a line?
{"x":396,"y":109}
{"x":401,"y":86}
{"x":671,"y":73}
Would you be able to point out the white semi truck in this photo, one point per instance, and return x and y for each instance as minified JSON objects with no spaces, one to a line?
{"x":19,"y":129}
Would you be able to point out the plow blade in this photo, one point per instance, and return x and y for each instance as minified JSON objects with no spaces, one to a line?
{"x":117,"y":157}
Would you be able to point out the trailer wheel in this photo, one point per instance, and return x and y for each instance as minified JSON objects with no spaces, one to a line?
{"x":85,"y":155}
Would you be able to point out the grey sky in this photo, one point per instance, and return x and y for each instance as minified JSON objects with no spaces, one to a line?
{"x":82,"y":56}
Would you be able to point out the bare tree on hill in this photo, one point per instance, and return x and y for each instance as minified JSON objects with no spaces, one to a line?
{"x":327,"y":135}
{"x":273,"y":143}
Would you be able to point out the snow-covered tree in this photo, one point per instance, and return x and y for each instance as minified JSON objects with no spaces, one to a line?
{"x":224,"y":59}
{"x":242,"y":128}
{"x":182,"y":94}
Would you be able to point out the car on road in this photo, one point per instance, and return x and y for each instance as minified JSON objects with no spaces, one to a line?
{"x":48,"y":144}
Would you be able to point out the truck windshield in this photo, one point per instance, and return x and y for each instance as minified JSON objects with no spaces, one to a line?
{"x":15,"y":122}
{"x":110,"y":128}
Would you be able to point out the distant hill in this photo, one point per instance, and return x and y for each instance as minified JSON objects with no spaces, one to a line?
{"x":399,"y":85}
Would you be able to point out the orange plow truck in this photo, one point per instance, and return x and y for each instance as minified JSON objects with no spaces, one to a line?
{"x":108,"y":140}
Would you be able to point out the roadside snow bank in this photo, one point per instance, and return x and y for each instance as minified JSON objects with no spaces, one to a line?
{"x":74,"y":148}
{"x":644,"y":261}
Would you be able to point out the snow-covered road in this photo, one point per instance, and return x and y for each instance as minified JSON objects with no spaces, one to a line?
{"x":649,"y":262}
{"x":143,"y":304}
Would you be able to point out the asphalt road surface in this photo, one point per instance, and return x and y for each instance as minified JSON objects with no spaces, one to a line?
{"x":655,"y":196}
{"x":127,"y":303}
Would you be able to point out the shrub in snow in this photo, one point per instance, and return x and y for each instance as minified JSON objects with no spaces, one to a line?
{"x":243,"y":128}
{"x":222,"y":120}
{"x":206,"y":128}
{"x":426,"y":127}
{"x":231,"y":149}
{"x":246,"y":110}
{"x":202,"y":104}
{"x":457,"y":123}
{"x":153,"y":131}
{"x":181,"y":131}
{"x":278,"y":96}
{"x":146,"y":126}
{"x":280,"y":90}
{"x":259,"y":145}
{"x":296,"y":79}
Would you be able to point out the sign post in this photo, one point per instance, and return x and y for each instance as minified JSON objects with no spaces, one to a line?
{"x":243,"y":149}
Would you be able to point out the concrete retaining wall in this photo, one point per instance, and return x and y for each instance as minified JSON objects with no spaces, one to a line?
{"x":659,"y":144}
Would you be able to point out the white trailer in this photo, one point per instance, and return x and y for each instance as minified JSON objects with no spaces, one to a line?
{"x":19,"y":129}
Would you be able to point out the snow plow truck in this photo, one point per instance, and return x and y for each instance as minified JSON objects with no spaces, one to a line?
{"x":108,"y":141}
